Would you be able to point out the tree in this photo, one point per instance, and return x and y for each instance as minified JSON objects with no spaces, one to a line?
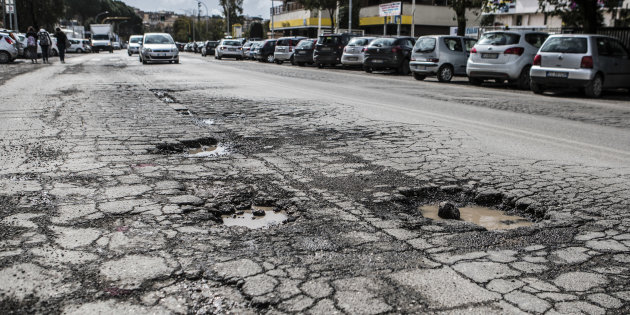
{"x":460,"y":7}
{"x":232,"y":9}
{"x":182,"y":29}
{"x":325,"y":5}
{"x":39,"y":13}
{"x":256,"y":30}
{"x":586,"y":14}
{"x":343,"y":14}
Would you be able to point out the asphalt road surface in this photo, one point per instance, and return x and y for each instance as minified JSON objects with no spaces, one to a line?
{"x":120,"y":183}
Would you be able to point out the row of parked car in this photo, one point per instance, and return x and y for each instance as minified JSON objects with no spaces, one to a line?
{"x":526,"y":59}
{"x":12,"y":45}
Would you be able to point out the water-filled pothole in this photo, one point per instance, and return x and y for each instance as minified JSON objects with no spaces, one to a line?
{"x":256,"y":218}
{"x":205,"y":151}
{"x":488,"y":218}
{"x":194,"y":148}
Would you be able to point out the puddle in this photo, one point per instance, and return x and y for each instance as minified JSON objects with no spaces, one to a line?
{"x":249,"y":220}
{"x":489,"y":218}
{"x":208,"y":122}
{"x":205,"y":151}
{"x":184,"y":111}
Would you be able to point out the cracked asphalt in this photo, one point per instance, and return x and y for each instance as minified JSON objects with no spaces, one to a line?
{"x":103,"y":209}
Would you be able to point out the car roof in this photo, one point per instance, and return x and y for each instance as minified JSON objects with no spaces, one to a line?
{"x":520,"y":32}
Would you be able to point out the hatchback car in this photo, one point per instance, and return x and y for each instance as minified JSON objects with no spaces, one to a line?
{"x":303,"y":53}
{"x":8,"y":48}
{"x":504,"y":55}
{"x":590,"y":62}
{"x":76,"y":45}
{"x":284,"y":49}
{"x":266,"y":50}
{"x":443,"y":56}
{"x":134,"y":44}
{"x":251,"y":51}
{"x":389,"y":53}
{"x":354,"y":52}
{"x":230,"y":48}
{"x":209,"y":48}
{"x":158,"y":47}
{"x":329,"y":48}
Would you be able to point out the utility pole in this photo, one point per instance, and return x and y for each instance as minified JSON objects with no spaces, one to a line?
{"x":273,"y":9}
{"x":413,"y":16}
{"x":17,"y":26}
{"x":198,"y":12}
{"x":193,"y":27}
{"x":350,"y":17}
{"x":336,"y":30}
{"x":227,"y":15}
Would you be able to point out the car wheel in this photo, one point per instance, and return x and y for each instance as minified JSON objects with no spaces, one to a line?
{"x":219,"y":57}
{"x":320,"y":65}
{"x":292,"y":61}
{"x":4,"y":57}
{"x":269,"y":58}
{"x":445,"y":73}
{"x":536,"y":88}
{"x":594,"y":88}
{"x":404,"y":67}
{"x":523,"y":79}
{"x":367,"y":69}
{"x":475,"y":81}
{"x":111,"y":51}
{"x":176,"y":61}
{"x":419,"y":76}
{"x":144,"y":62}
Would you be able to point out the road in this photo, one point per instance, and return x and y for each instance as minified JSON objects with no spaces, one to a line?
{"x":108,"y":206}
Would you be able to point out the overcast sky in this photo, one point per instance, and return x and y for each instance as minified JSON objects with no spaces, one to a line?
{"x":250,"y":7}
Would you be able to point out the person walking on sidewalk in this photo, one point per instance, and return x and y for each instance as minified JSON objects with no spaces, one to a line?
{"x":31,"y":44}
{"x":44,"y":42}
{"x":62,"y":43}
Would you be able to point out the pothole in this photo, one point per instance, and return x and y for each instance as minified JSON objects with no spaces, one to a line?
{"x":256,"y":218}
{"x":201,"y":147}
{"x":164,"y":96}
{"x":205,"y":151}
{"x":488,"y":218}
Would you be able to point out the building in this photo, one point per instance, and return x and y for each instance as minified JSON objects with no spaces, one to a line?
{"x":430,"y":17}
{"x":292,"y":19}
{"x":160,"y":20}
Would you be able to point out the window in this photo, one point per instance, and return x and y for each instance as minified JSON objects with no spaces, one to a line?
{"x":499,"y":39}
{"x":567,"y":45}
{"x":135,"y":40}
{"x":382,"y":42}
{"x":519,"y":20}
{"x":158,"y":39}
{"x":231,"y":43}
{"x":616,"y":49}
{"x":470,"y":43}
{"x":425,"y":45}
{"x":283,"y":42}
{"x":602,"y":47}
{"x":454,"y":44}
{"x":329,"y":40}
{"x":358,"y":41}
{"x":536,"y":39}
{"x":305,"y":44}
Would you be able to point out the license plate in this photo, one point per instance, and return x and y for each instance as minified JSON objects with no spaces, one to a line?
{"x":377,"y":61}
{"x":353,"y":58}
{"x":489,"y":56}
{"x":326,"y":49}
{"x":302,"y":52}
{"x":232,"y":49}
{"x":421,"y":68}
{"x":551,"y":74}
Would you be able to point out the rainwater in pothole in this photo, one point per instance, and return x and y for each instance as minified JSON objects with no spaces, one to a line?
{"x":247,"y":218}
{"x":205,"y":151}
{"x":488,"y":218}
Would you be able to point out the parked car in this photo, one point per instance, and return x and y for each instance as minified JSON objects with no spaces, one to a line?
{"x":303,"y":52}
{"x":265,"y":52}
{"x":229,"y":48}
{"x":443,"y":56}
{"x":116,"y":45}
{"x":209,"y":48}
{"x":188,"y":47}
{"x":8,"y":48}
{"x":248,"y":53}
{"x":504,"y":55}
{"x":329,"y":48}
{"x":86,"y":45}
{"x":76,"y":45}
{"x":284,"y":49}
{"x":134,"y":44}
{"x":158,"y":47}
{"x":354,"y":52}
{"x":591,"y":63}
{"x":389,"y":53}
{"x":180,"y":46}
{"x":198,"y":46}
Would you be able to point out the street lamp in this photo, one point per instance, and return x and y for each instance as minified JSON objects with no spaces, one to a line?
{"x":96,"y":18}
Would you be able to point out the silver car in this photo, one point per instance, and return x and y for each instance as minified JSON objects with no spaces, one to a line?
{"x":354,"y":53}
{"x":134,"y":44}
{"x":229,"y":48}
{"x":158,"y":47}
{"x":504,"y":55}
{"x":590,"y":62}
{"x":8,"y":48}
{"x":284,"y":49}
{"x":443,"y":56}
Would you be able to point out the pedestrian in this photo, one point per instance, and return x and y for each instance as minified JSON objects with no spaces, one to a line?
{"x":31,"y":44}
{"x":62,"y":43}
{"x":44,"y":43}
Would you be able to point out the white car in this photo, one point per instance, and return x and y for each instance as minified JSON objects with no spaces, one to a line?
{"x":229,"y":48}
{"x":158,"y":47}
{"x":134,"y":44}
{"x":8,"y":48}
{"x":353,"y":53}
{"x":504,"y":55}
{"x":76,"y":45}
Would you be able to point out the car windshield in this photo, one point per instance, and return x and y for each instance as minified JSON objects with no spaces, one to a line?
{"x":425,"y":44}
{"x":100,"y":37}
{"x":135,"y":40}
{"x":329,"y":40}
{"x":283,"y":42}
{"x":231,"y":43}
{"x":158,"y":39}
{"x":213,"y":44}
{"x":382,"y":42}
{"x":357,"y":41}
{"x":305,"y":44}
{"x":499,"y":39}
{"x":568,"y":45}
